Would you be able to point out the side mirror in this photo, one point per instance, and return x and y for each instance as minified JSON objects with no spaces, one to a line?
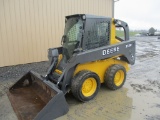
{"x":63,"y":40}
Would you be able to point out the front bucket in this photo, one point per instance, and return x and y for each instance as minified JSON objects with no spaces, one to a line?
{"x":33,"y":97}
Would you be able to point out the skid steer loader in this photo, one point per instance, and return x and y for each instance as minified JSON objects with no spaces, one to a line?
{"x":90,"y":54}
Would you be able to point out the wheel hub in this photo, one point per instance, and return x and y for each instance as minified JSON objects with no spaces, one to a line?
{"x":89,"y":87}
{"x":119,"y":78}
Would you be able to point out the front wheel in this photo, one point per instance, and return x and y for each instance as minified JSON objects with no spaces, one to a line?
{"x":85,"y":85}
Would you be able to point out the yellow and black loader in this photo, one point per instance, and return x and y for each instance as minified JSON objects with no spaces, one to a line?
{"x":91,"y":54}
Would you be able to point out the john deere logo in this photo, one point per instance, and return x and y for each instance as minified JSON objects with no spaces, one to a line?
{"x":110,"y":51}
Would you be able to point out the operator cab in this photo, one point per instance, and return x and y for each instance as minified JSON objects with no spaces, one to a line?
{"x":84,"y":32}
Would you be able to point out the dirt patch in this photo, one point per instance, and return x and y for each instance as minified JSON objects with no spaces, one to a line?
{"x":150,"y":86}
{"x":157,"y":105}
{"x":108,"y":105}
{"x":149,"y":54}
{"x":156,"y":117}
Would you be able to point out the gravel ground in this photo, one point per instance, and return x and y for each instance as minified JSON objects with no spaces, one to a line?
{"x":10,"y":74}
{"x":16,"y":71}
{"x":138,"y":99}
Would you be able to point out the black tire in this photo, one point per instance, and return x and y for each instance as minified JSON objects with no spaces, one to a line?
{"x":110,"y":81}
{"x":79,"y":82}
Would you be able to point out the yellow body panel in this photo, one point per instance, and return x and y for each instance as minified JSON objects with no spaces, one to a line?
{"x":58,"y":71}
{"x":99,"y":67}
{"x":60,"y":58}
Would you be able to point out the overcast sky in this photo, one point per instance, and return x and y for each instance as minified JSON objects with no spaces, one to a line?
{"x":139,"y":14}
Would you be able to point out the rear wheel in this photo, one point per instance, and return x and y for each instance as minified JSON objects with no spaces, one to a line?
{"x":85,"y":85}
{"x":115,"y":77}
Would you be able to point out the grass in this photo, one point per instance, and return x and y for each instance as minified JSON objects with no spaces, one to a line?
{"x":120,"y":33}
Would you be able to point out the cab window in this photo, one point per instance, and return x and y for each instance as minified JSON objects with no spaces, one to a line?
{"x":120,"y":35}
{"x":97,"y":35}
